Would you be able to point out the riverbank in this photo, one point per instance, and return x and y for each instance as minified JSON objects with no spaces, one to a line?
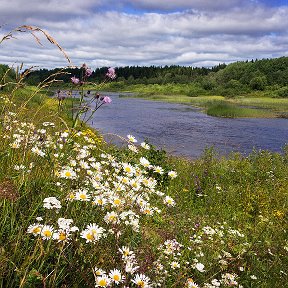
{"x":74,"y":208}
{"x":249,"y":106}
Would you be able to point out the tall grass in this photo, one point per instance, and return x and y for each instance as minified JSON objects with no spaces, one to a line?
{"x":228,"y":110}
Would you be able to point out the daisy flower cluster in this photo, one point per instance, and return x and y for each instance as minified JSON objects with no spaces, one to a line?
{"x":122,"y":192}
{"x":111,"y":194}
{"x":169,"y":261}
{"x":126,"y":275}
{"x":24,"y":137}
{"x":221,"y":247}
{"x":61,"y":233}
{"x":215,"y":251}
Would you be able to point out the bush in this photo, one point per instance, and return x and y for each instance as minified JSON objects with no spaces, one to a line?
{"x":283,"y":92}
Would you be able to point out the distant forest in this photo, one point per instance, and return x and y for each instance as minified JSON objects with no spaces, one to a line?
{"x":238,"y":77}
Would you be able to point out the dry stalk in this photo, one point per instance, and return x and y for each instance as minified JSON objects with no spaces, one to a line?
{"x":33,"y":30}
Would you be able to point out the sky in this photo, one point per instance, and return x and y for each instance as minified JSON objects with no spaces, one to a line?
{"x":198,"y":33}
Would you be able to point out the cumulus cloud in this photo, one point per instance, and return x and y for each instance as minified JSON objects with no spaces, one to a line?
{"x":19,"y":12}
{"x":90,"y":32}
{"x":186,"y":4}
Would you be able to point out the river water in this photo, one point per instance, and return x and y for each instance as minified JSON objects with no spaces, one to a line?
{"x":183,"y":130}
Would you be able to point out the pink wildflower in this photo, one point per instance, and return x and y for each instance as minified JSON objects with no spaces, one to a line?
{"x":107,"y":100}
{"x":75,"y":80}
{"x":111,"y":73}
{"x":88,"y":72}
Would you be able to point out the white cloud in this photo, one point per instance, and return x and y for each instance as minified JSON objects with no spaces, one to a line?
{"x":112,"y":38}
{"x":186,"y":4}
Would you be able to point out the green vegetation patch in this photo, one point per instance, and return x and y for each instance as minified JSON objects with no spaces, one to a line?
{"x":228,"y":110}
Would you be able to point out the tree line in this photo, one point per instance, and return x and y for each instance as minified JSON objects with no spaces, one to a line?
{"x":239,"y":77}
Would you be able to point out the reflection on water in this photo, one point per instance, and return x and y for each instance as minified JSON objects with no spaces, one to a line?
{"x":183,"y":130}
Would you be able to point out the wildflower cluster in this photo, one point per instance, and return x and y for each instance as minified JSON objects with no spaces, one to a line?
{"x":213,"y":245}
{"x":112,"y":195}
{"x":60,"y":234}
{"x":209,"y":254}
{"x":26,"y":136}
{"x":120,"y":191}
{"x":87,"y":103}
{"x":125,"y":274}
{"x":168,"y":263}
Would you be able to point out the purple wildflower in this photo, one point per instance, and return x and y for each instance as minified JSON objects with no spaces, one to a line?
{"x":75,"y":80}
{"x":111,"y":73}
{"x":88,"y":72}
{"x":107,"y":100}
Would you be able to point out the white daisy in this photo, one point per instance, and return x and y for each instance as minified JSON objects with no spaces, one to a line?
{"x":51,"y":203}
{"x":172,"y":174}
{"x":103,"y":281}
{"x":116,"y":276}
{"x":111,"y":217}
{"x":174,"y":265}
{"x":141,"y":281}
{"x":145,"y":146}
{"x":144,"y":162}
{"x":82,"y":195}
{"x":68,"y":173}
{"x":169,"y":201}
{"x":92,"y":233}
{"x":131,"y":138}
{"x":133,"y":148}
{"x":158,"y":169}
{"x":35,"y":229}
{"x":47,"y":232}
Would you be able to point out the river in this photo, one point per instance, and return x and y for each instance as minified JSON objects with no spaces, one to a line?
{"x":184,"y":131}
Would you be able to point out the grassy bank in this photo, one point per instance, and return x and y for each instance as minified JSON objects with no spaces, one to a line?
{"x":78,"y":213}
{"x":229,"y":110}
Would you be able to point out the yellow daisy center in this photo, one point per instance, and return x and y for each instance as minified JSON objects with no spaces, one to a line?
{"x":102,"y":282}
{"x":116,"y":277}
{"x":141,"y":283}
{"x":117,"y":201}
{"x":90,"y":236}
{"x":68,"y":174}
{"x":83,"y":196}
{"x":62,"y":236}
{"x":36,"y":230}
{"x":112,"y":217}
{"x":128,"y":169}
{"x":47,"y":233}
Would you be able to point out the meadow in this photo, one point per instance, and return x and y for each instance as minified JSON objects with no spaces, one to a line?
{"x":76,"y":212}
